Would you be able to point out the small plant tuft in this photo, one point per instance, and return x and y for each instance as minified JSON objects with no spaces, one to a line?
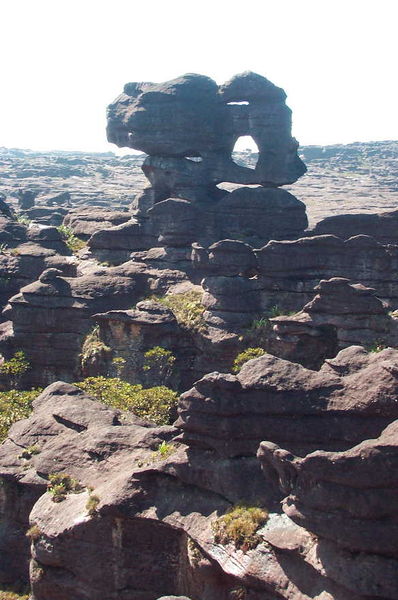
{"x":165,"y":450}
{"x":195,"y":553}
{"x":92,"y":504}
{"x":30,"y":451}
{"x":246,"y":355}
{"x":239,"y":526}
{"x":34,"y":533}
{"x":61,"y":484}
{"x":71,"y":240}
{"x":377,"y":346}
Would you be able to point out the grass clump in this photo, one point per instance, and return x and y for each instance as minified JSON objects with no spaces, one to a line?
{"x":71,"y":240}
{"x":15,"y":405}
{"x":239,"y":526}
{"x":30,"y":451}
{"x":61,"y":484}
{"x":164,"y":450}
{"x":246,"y":355}
{"x":155,"y":404}
{"x":187,"y":308}
{"x":92,"y":504}
{"x":34,"y":533}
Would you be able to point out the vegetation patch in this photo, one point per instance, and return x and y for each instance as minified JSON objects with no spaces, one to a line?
{"x":7,"y":593}
{"x":34,"y":533}
{"x":93,"y":347}
{"x":16,"y":366}
{"x":61,"y":484}
{"x":158,"y":364}
{"x":92,"y":504}
{"x":71,"y":240}
{"x":246,"y":355}
{"x":156,"y":404}
{"x":164,"y":450}
{"x":187,"y":308}
{"x":15,"y":405}
{"x":30,"y":451}
{"x":377,"y":346}
{"x":239,"y":526}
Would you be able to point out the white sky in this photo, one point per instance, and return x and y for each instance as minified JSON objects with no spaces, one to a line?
{"x":62,"y":62}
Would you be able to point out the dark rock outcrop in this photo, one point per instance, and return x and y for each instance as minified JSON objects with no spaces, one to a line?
{"x":340,"y":315}
{"x":189,"y":126}
{"x":334,"y":539}
{"x":51,"y":316}
{"x":299,"y":409}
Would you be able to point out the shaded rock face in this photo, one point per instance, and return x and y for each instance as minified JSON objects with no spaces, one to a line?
{"x":189,"y":126}
{"x":51,"y":316}
{"x":284,"y":274}
{"x":333,"y":539}
{"x":278,"y":400}
{"x":382,"y":226}
{"x":192,"y":117}
{"x":341,"y":314}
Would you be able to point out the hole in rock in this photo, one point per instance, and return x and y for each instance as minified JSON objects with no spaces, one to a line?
{"x":225,"y":185}
{"x":234,"y":103}
{"x":196,"y":159}
{"x":245,"y":152}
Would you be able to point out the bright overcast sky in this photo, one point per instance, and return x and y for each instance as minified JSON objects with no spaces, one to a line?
{"x":62,"y":62}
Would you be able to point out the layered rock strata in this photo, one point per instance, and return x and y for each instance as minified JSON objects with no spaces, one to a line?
{"x":333,"y":540}
{"x":340,"y":315}
{"x":50,"y":317}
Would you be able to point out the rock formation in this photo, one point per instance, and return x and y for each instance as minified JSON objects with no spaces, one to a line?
{"x":340,"y":315}
{"x":189,"y":127}
{"x":333,"y":539}
{"x":306,"y":434}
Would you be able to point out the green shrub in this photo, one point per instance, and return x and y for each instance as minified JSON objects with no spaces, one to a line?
{"x":118,"y":364}
{"x":246,"y":355}
{"x":155,"y":404}
{"x":61,"y":484}
{"x":71,"y":240}
{"x":239,"y":525}
{"x":158,"y":364}
{"x":15,"y":405}
{"x":16,"y":366}
{"x":187,"y":308}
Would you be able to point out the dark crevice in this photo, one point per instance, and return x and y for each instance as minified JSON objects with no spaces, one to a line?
{"x":75,"y":426}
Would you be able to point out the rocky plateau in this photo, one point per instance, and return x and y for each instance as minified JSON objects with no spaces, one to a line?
{"x":209,"y":339}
